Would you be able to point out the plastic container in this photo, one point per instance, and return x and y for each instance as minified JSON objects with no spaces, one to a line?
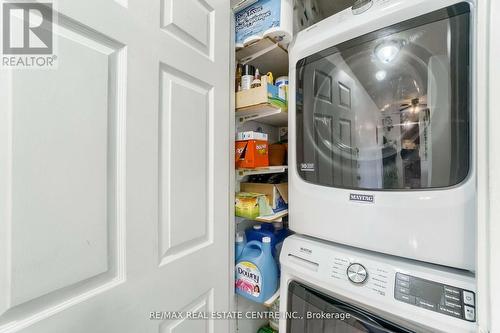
{"x":247,"y":77}
{"x":277,"y":236}
{"x":259,"y":231}
{"x":282,"y":80}
{"x":239,"y":246}
{"x":256,"y":271}
{"x":282,"y":84}
{"x":280,"y":233}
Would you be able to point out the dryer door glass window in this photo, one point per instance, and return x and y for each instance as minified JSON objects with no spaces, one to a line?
{"x":390,"y":109}
{"x":314,"y":312}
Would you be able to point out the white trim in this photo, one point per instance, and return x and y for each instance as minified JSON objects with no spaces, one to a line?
{"x":232,"y":174}
{"x":481,"y":90}
{"x":494,"y":167}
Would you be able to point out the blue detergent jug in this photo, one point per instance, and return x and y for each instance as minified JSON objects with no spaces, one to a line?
{"x":258,"y":231}
{"x":239,"y":246}
{"x":256,"y":271}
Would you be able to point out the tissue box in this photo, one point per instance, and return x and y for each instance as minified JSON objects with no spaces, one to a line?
{"x":276,"y":194}
{"x":251,"y":205}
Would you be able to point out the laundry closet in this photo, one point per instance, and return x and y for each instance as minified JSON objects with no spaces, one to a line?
{"x":263,"y":33}
{"x":378,"y":195}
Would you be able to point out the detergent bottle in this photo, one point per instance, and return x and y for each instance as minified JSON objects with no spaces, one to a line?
{"x":239,"y":246}
{"x":280,"y":234}
{"x":256,"y":271}
{"x":258,"y":231}
{"x":276,"y":233}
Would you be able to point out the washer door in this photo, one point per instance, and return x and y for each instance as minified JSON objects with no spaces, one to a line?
{"x":314,"y":312}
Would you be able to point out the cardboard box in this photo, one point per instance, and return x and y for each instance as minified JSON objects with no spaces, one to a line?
{"x":276,"y":194}
{"x":251,"y":205}
{"x":251,"y":154}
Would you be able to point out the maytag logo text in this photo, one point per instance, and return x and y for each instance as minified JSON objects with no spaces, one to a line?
{"x":368,"y":198}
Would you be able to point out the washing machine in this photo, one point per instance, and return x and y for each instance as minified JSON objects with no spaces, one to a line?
{"x":382,"y":130}
{"x":327,"y":287}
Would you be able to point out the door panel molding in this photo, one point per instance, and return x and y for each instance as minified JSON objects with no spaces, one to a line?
{"x":85,"y":254}
{"x":203,"y":304}
{"x":183,"y":229}
{"x":178,"y":18}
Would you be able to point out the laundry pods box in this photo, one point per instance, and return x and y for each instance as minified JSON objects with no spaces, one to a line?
{"x":252,"y":154}
{"x":276,"y":194}
{"x":265,"y":18}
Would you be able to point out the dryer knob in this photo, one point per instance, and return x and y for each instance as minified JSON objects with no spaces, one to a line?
{"x":357,"y":273}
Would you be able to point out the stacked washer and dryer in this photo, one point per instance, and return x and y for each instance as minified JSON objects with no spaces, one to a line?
{"x":382,"y":171}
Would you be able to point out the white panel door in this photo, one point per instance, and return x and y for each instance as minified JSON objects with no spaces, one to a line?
{"x":114,"y":171}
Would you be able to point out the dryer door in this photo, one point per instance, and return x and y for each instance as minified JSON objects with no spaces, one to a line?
{"x":314,"y":312}
{"x":389,"y":110}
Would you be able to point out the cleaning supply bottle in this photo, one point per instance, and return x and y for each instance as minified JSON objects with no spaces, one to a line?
{"x":256,"y":81}
{"x":254,"y":233}
{"x":258,"y":231}
{"x":239,"y":246}
{"x":263,"y":230}
{"x":256,"y":271}
{"x":270,"y":78}
{"x":239,"y":74}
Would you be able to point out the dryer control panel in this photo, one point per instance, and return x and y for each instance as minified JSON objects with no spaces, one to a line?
{"x":430,"y":295}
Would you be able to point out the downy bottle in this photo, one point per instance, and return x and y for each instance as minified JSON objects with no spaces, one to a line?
{"x":256,"y":271}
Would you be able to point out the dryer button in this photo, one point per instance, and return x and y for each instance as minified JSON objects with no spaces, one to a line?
{"x":468,"y":298}
{"x":470,"y":313}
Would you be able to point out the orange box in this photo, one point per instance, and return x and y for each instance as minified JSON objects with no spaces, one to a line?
{"x":252,"y":154}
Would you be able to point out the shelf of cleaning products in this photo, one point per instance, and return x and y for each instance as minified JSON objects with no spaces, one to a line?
{"x":266,"y":55}
{"x":265,"y":113}
{"x":260,"y":171}
{"x":268,"y":303}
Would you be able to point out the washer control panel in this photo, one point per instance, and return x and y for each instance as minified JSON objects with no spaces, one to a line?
{"x":364,"y":276}
{"x":438,"y":297}
{"x":357,"y":273}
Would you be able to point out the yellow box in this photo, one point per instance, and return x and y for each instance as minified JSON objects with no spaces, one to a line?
{"x":251,"y":205}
